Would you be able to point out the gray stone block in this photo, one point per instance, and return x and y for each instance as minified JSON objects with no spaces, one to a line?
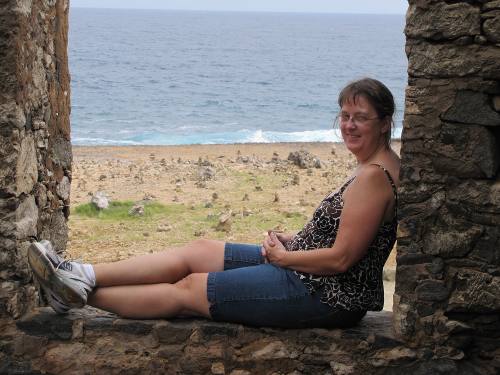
{"x":46,"y":324}
{"x":469,"y":151}
{"x":26,"y":218}
{"x":487,"y":248}
{"x":491,"y":5}
{"x":134,"y":327}
{"x":478,"y":201}
{"x":446,"y":242}
{"x":63,"y":188}
{"x":8,"y":160}
{"x":472,"y":107}
{"x":476,"y":292}
{"x":412,"y":259}
{"x":11,"y":117}
{"x":432,"y":291}
{"x":446,"y":61}
{"x":491,"y":28}
{"x":54,"y":228}
{"x":442,"y":21}
{"x":62,"y":154}
{"x":172,"y":333}
{"x":26,"y":166}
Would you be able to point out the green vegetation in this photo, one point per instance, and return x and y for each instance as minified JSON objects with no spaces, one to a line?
{"x":112,"y":234}
{"x":119,"y":210}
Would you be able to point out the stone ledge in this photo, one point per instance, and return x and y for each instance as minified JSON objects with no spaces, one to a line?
{"x":375,"y":327}
{"x":89,"y":341}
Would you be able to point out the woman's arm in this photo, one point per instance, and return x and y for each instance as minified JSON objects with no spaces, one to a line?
{"x":365,"y":202}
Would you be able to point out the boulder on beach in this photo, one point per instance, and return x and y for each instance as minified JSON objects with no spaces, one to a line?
{"x":163,"y":227}
{"x":100,"y":200}
{"x":200,"y":233}
{"x":137,"y":210}
{"x":200,"y":184}
{"x":205,"y":173}
{"x":304,"y":159}
{"x":224,"y":224}
{"x":204,"y":163}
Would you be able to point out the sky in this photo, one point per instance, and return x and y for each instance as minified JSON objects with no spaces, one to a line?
{"x":314,"y":6}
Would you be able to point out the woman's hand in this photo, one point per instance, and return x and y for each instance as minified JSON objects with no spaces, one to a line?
{"x":273,"y":249}
{"x":284,"y":237}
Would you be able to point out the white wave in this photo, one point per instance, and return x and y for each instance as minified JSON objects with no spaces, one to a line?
{"x":261,"y":136}
{"x":258,"y":137}
{"x":241,"y":136}
{"x":87,"y":141}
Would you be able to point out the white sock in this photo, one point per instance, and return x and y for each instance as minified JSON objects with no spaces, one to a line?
{"x":89,"y":273}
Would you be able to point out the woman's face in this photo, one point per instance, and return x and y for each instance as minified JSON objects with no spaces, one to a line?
{"x":362,"y":130}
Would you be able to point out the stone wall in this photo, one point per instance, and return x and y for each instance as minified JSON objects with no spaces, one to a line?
{"x":83,"y":342}
{"x":35,"y":149}
{"x":448,"y":275}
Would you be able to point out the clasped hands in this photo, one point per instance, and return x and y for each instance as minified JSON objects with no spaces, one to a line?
{"x":272,"y":247}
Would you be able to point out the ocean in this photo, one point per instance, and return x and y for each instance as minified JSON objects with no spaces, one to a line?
{"x":158,"y":77}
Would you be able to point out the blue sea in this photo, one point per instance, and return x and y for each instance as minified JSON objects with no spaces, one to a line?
{"x":158,"y":77}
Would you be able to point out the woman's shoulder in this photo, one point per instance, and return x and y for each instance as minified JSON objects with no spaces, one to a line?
{"x":373,"y":176}
{"x":376,"y":178}
{"x":389,"y":165}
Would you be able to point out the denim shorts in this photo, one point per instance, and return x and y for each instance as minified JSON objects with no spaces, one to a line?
{"x":252,"y":292}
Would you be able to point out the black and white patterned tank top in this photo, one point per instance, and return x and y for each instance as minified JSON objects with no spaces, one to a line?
{"x":360,"y":288}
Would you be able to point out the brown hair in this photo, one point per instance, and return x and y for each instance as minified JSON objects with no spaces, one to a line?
{"x":377,"y":94}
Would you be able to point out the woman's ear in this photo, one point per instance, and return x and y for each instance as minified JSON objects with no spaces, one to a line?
{"x":386,"y":125}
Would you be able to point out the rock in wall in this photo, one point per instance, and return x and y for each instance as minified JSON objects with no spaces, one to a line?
{"x":35,"y":149}
{"x":448,"y":273}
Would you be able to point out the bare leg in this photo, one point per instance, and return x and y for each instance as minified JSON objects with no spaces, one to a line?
{"x":187,"y":297}
{"x":168,"y":266}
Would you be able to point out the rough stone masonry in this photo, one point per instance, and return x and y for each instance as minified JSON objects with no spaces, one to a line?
{"x":447,"y":300}
{"x":35,"y":149}
{"x":448,"y":274}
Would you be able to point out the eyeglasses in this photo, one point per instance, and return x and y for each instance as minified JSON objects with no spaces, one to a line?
{"x":357,"y":119}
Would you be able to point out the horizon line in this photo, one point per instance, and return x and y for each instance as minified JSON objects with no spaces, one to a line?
{"x":237,"y":11}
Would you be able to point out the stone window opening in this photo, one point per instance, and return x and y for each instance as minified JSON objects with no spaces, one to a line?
{"x":447,"y":300}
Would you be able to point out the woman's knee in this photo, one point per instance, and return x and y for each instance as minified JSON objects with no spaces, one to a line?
{"x":192,"y":282}
{"x":204,"y":255}
{"x":194,"y":292}
{"x":203,"y":244}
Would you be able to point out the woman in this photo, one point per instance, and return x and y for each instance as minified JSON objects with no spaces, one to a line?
{"x":327,"y":275}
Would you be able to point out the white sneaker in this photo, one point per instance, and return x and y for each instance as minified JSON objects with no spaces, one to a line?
{"x":64,"y":282}
{"x":59,"y":306}
{"x":67,"y":265}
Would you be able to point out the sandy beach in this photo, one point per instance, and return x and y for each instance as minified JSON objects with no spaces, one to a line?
{"x":229,"y":192}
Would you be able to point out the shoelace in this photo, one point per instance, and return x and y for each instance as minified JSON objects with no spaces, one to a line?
{"x":66,"y":264}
